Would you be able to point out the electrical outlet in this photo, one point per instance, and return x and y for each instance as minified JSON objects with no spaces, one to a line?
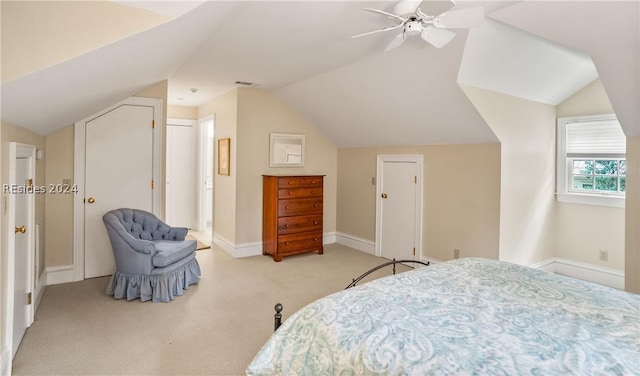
{"x":604,"y":255}
{"x":456,"y":253}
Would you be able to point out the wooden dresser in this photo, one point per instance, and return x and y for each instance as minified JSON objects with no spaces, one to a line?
{"x":291,"y":215}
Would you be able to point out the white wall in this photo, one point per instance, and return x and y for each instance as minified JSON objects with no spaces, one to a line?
{"x":526,"y":131}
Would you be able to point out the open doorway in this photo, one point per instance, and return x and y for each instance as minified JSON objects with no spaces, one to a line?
{"x":205,"y":179}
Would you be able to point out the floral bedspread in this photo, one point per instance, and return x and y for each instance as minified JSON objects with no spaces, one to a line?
{"x":462,"y":317}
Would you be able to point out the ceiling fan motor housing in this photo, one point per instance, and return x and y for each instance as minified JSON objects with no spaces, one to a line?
{"x":413,"y":27}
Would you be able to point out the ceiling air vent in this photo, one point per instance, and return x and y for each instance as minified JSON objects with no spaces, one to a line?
{"x":244,"y":83}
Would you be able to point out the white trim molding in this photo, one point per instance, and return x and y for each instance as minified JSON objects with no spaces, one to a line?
{"x":356,"y":242}
{"x":5,"y":360}
{"x":580,"y":270}
{"x":40,"y":287}
{"x":56,"y":275}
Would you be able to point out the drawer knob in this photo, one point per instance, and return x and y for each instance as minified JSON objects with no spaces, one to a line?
{"x":313,"y":181}
{"x":312,"y":192}
{"x":290,"y":193}
{"x":286,"y":243}
{"x":315,"y":222}
{"x":290,"y":182}
{"x":286,"y":225}
{"x":287,"y":207}
{"x":315,"y":239}
{"x":315,"y":205}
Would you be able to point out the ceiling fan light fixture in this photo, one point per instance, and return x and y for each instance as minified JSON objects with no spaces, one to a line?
{"x":432,"y":29}
{"x":413,"y":27}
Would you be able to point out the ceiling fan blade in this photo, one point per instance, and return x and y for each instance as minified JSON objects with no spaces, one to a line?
{"x":390,"y":15}
{"x":462,"y":18}
{"x":379,"y":30}
{"x":396,"y":42}
{"x":406,"y":7}
{"x":437,"y":37}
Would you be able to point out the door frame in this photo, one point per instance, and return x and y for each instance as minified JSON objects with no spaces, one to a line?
{"x":18,"y":150}
{"x":180,"y":123}
{"x":79,"y":155}
{"x":418,"y":159}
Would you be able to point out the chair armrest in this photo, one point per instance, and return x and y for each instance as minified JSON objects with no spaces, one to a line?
{"x":177,"y":233}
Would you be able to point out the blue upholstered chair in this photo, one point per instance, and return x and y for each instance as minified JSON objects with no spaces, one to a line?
{"x":153,"y":260}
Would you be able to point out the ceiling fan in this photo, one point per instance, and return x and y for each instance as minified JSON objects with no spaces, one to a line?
{"x":433,"y":29}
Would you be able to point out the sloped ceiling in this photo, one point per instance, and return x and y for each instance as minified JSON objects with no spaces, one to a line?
{"x":348,"y":88}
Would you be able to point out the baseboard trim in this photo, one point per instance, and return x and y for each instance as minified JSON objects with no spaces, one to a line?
{"x":40,"y":287}
{"x":254,"y":249}
{"x":248,"y":250}
{"x":59,"y":274}
{"x":580,"y":270}
{"x":5,"y":359}
{"x":355,"y":242}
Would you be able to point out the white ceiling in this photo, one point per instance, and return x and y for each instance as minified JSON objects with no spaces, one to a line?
{"x":508,"y":60}
{"x":349,"y":89}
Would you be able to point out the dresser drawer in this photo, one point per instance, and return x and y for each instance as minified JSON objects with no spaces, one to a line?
{"x":300,"y":181}
{"x":299,"y":193}
{"x":299,"y":206}
{"x":291,"y":225}
{"x":295,"y":242}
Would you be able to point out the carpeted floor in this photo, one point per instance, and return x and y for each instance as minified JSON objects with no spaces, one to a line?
{"x":214,"y":329}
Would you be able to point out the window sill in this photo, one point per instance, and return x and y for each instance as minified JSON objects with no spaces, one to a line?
{"x":591,"y":199}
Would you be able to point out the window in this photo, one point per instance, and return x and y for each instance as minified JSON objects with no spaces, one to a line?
{"x":591,"y":160}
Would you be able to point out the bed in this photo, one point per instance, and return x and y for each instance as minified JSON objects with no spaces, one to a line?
{"x":462,"y":317}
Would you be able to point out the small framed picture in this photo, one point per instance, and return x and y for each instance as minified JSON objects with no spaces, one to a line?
{"x":224,"y":164}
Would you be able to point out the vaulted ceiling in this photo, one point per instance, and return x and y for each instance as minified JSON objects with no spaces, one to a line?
{"x":352,"y":91}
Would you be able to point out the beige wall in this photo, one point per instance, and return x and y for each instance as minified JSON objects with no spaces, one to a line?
{"x":259,"y":114}
{"x":580,"y":228}
{"x":182,"y":112}
{"x":248,"y":116}
{"x":632,"y":217}
{"x":461,"y":197}
{"x":14,"y":133}
{"x":54,"y":31}
{"x":526,"y":131}
{"x":225,"y":109}
{"x":592,"y":100}
{"x":59,"y":219}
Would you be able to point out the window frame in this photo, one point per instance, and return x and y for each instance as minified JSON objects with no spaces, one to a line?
{"x":564,"y":190}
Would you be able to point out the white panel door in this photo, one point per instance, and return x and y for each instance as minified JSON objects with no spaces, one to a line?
{"x":118,"y":174}
{"x":22,"y":246}
{"x":181,"y":176}
{"x":398,"y":210}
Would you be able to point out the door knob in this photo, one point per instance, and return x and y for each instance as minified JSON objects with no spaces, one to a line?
{"x":384,"y":195}
{"x":21,"y":230}
{"x":91,"y":200}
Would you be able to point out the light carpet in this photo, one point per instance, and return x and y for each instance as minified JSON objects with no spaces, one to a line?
{"x":215,"y":328}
